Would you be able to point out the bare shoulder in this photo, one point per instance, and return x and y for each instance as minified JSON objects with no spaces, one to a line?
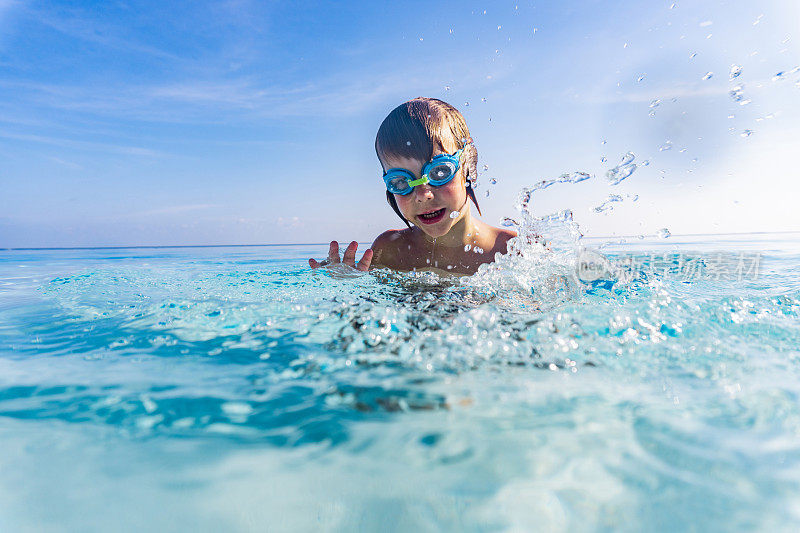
{"x":387,"y":246}
{"x":501,"y":238}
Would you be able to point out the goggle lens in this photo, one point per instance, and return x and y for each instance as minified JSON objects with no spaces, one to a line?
{"x":398,"y":185}
{"x":441,"y":173}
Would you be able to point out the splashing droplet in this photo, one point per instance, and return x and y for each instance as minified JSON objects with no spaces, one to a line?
{"x":746,"y":133}
{"x":467,"y":247}
{"x":655,"y":103}
{"x":778,"y":76}
{"x":640,"y":78}
{"x":666,"y":146}
{"x":608,"y":204}
{"x":509,"y":222}
{"x":692,"y":55}
{"x":455,"y":214}
{"x":736,"y":71}
{"x":663,"y":233}
{"x":603,"y":159}
{"x":493,"y":181}
{"x":625,"y":168}
{"x":466,"y":104}
{"x":485,"y":168}
{"x":446,"y":87}
{"x":708,"y":75}
{"x":483,"y":99}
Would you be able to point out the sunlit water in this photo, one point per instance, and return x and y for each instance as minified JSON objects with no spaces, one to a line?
{"x":234,"y":389}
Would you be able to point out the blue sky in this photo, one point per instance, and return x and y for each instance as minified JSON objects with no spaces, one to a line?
{"x":253,"y":122}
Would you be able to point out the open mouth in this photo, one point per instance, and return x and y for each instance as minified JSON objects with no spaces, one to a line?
{"x":432,"y":217}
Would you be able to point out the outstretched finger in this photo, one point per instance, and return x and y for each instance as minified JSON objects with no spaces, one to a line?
{"x":350,"y":254}
{"x":366,"y":260}
{"x":333,"y":252}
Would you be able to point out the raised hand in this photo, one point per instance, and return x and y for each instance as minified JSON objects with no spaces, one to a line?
{"x":349,"y":258}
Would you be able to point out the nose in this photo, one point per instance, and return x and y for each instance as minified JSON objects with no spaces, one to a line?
{"x":423,"y":192}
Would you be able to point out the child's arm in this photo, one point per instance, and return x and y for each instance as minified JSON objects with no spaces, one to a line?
{"x":348,"y":259}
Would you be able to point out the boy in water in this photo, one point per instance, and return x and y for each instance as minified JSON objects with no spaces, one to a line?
{"x":429,"y":163}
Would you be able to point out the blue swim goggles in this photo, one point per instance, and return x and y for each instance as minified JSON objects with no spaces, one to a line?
{"x":438,"y":171}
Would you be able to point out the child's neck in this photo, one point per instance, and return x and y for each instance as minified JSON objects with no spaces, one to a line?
{"x":465,"y":231}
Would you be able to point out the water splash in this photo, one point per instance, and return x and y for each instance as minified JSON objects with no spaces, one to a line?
{"x":663,"y":233}
{"x":455,"y":214}
{"x":707,"y":76}
{"x":735,"y":72}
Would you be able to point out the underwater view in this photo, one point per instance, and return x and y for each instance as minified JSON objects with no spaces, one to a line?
{"x":234,"y":388}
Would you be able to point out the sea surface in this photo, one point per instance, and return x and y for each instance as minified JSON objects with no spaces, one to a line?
{"x":235,"y":389}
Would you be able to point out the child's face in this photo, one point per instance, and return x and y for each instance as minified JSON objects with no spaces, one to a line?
{"x":429,"y":207}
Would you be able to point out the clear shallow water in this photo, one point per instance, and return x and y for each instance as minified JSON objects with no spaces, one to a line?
{"x":233,"y":388}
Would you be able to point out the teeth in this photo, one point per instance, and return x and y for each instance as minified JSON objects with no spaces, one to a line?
{"x":432,"y":214}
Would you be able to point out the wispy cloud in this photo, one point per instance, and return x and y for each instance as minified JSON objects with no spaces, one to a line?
{"x":84,"y":145}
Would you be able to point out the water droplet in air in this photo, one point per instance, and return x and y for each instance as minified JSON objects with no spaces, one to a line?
{"x":603,"y":141}
{"x":483,"y":99}
{"x":778,"y":76}
{"x":654,"y":103}
{"x":640,"y":78}
{"x":477,"y":250}
{"x":706,"y":23}
{"x":608,"y":204}
{"x":627,"y":158}
{"x":708,"y":76}
{"x":446,"y":87}
{"x":493,"y":181}
{"x":420,"y":39}
{"x":646,"y":163}
{"x":746,"y":133}
{"x":467,"y":247}
{"x":736,"y":71}
{"x":508,"y":222}
{"x":603,"y":159}
{"x":692,"y":55}
{"x":466,"y":104}
{"x":408,"y":143}
{"x":758,"y":19}
{"x":663,"y":233}
{"x":487,"y":193}
{"x":499,"y":27}
{"x":673,"y":6}
{"x":485,"y":168}
{"x":455,"y":214}
{"x":666,"y":146}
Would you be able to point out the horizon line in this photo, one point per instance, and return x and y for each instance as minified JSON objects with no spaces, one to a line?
{"x":152,"y":246}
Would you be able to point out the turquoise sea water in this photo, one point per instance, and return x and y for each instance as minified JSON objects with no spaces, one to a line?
{"x":234,"y":389}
